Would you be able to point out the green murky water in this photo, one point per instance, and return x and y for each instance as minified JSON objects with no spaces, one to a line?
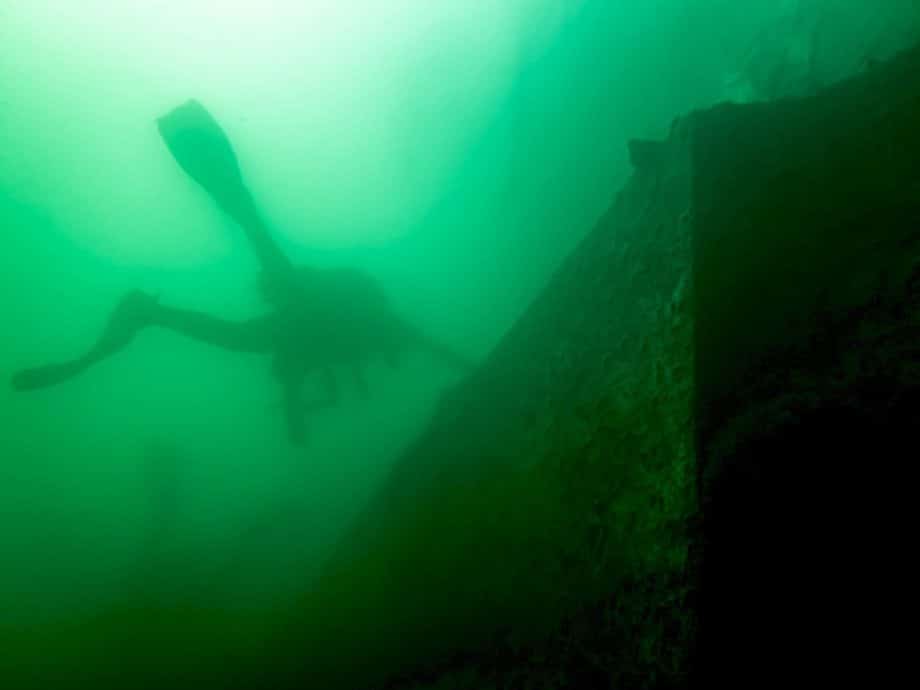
{"x":456,"y":150}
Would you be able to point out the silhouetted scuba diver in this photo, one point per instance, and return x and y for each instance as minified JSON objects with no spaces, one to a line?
{"x":319,"y":318}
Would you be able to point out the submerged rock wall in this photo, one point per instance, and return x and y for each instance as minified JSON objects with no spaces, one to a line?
{"x":539,"y":527}
{"x":737,"y":339}
{"x":807,"y":338}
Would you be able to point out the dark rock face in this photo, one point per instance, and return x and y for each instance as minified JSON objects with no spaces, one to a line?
{"x":807,"y":269}
{"x":538,"y":531}
{"x":678,"y":466}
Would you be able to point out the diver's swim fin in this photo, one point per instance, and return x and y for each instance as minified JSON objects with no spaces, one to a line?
{"x":203,"y":150}
{"x":43,"y":377}
{"x":132,"y":313}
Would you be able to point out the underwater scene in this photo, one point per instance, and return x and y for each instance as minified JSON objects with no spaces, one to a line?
{"x":456,"y":344}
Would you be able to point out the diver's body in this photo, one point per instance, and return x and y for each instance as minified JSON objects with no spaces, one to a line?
{"x":319,"y":318}
{"x":337,"y":317}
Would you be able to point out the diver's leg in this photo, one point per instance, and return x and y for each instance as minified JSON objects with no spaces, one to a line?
{"x":126,"y":319}
{"x":329,"y":395}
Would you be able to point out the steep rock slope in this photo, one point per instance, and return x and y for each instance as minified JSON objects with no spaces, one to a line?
{"x":655,"y":478}
{"x":557,"y":474}
{"x":807,"y":337}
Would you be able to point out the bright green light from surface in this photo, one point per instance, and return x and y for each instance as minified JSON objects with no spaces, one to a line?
{"x":348,"y":115}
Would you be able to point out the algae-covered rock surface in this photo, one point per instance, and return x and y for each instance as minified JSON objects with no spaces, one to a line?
{"x":540,"y":529}
{"x":651,"y":481}
{"x":807,"y":268}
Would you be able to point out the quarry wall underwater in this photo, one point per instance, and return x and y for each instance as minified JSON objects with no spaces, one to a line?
{"x":653,"y":480}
